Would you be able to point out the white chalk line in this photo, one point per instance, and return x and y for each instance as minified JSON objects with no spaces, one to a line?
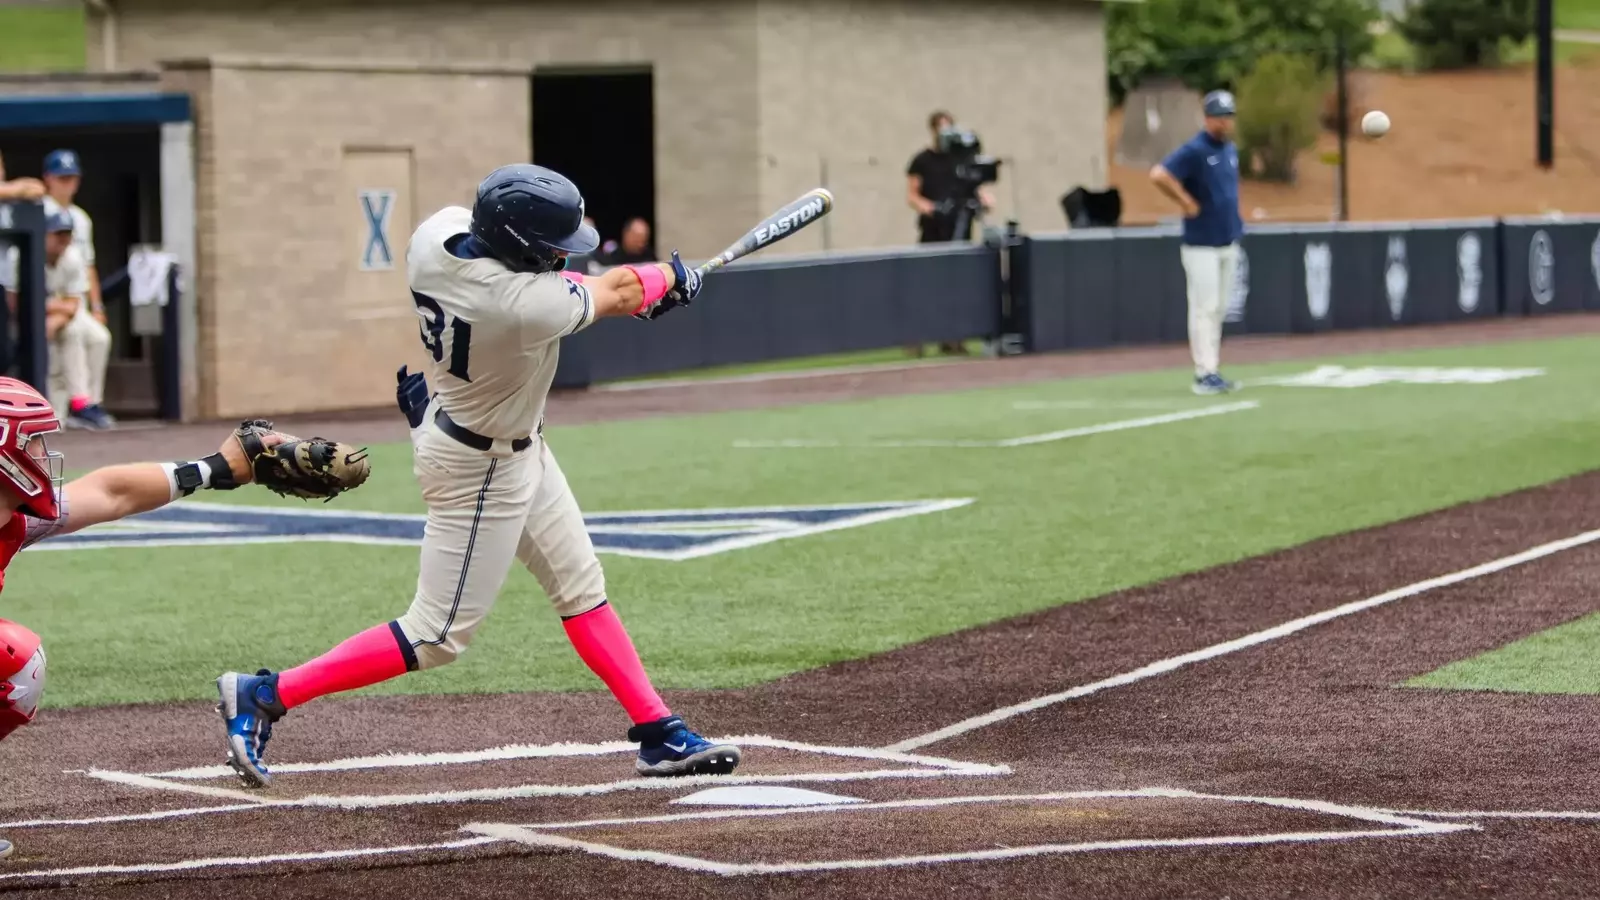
{"x":546,"y":751}
{"x":1575,"y":815}
{"x":529,"y":791}
{"x":711,"y":867}
{"x":189,"y":865}
{"x":786,"y":375}
{"x":1102,"y":404}
{"x":767,"y":812}
{"x":1161,"y":667}
{"x":1006,"y":443}
{"x":1402,"y":827}
{"x":150,"y":782}
{"x":520,"y":792}
{"x":176,"y":780}
{"x":1335,"y":809}
{"x":132,"y":817}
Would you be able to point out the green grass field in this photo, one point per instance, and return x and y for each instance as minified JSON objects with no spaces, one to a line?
{"x":1558,"y":661}
{"x":1580,"y":15}
{"x":37,"y":38}
{"x":1050,"y":523}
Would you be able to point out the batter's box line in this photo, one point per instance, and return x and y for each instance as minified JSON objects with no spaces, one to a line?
{"x":182,"y":780}
{"x":534,"y":836}
{"x":546,"y":751}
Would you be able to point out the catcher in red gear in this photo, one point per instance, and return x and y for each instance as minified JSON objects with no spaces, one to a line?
{"x":35,"y":505}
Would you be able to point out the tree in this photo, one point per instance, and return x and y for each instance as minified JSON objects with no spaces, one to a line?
{"x":1279,"y":104}
{"x":1457,"y":34}
{"x":1209,"y":44}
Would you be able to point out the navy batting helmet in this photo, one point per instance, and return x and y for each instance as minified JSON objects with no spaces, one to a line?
{"x":525,"y":214}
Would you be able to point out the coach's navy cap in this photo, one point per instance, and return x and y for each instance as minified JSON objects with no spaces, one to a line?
{"x":58,"y":221}
{"x":1219,"y":103}
{"x":62,"y":162}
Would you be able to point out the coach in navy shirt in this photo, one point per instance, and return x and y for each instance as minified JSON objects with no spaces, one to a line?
{"x":1202,"y":177}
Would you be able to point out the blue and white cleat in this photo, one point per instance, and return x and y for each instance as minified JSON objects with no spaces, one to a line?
{"x":249,"y":705}
{"x":6,"y":849}
{"x":667,"y":748}
{"x":1213,"y":383}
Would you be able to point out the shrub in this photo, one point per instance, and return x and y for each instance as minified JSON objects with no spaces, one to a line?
{"x":1209,"y":44}
{"x":1279,"y":104}
{"x":1459,"y":34}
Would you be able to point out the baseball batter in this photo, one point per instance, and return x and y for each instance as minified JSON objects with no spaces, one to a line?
{"x":493,"y":303}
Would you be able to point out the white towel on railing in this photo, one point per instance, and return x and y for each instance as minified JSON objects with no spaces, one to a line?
{"x":147,"y":276}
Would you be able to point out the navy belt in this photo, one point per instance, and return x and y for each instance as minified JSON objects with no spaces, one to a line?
{"x":475,"y":440}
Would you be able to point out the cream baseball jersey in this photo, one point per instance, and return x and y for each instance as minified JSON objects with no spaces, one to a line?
{"x":492,"y":335}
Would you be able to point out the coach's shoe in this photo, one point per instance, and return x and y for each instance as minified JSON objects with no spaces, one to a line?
{"x":667,"y":747}
{"x":6,"y":849}
{"x":1213,"y":383}
{"x":249,"y":705}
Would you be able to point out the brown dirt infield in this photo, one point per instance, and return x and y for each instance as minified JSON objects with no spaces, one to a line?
{"x":1314,"y":716}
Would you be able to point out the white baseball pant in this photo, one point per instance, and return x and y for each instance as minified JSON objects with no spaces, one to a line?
{"x":1209,"y":273}
{"x":486,"y":508}
{"x":78,"y":359}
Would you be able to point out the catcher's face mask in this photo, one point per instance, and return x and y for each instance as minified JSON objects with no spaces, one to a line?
{"x":27,"y":466}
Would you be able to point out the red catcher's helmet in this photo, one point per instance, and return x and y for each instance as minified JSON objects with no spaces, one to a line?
{"x":21,"y":676}
{"x":26,"y":464}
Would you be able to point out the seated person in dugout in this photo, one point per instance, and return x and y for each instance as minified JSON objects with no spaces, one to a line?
{"x":80,"y":347}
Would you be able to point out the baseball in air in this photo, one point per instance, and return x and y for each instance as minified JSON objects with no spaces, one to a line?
{"x":1375,"y":123}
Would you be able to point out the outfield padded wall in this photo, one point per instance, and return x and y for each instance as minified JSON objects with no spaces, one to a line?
{"x":1125,"y":286}
{"x":761,"y":310}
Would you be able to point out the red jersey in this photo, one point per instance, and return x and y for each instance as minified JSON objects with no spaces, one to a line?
{"x":12,"y":536}
{"x":21,"y":531}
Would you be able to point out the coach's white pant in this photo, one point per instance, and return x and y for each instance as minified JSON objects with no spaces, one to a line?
{"x":484,"y":510}
{"x":1209,"y":272}
{"x":78,"y":359}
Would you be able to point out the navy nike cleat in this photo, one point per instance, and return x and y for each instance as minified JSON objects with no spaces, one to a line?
{"x":249,"y":705}
{"x":1213,"y":384}
{"x":6,"y":849}
{"x":668,"y":748}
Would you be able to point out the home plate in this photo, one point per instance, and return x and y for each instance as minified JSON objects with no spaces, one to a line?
{"x":763,"y":795}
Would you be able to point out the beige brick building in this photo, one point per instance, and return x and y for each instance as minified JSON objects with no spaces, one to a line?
{"x":301,"y":105}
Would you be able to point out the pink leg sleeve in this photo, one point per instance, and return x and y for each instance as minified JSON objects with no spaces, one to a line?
{"x":377,"y":654}
{"x":605,"y":648}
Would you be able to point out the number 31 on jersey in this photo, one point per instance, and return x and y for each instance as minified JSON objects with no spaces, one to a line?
{"x":432,"y":328}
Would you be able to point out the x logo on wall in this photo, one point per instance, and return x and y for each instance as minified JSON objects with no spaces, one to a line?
{"x":377,"y":206}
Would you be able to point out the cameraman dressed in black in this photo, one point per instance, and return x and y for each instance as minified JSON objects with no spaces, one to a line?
{"x":933,"y":190}
{"x":937,"y":194}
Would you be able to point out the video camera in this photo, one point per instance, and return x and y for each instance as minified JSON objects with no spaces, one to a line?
{"x":972,"y":168}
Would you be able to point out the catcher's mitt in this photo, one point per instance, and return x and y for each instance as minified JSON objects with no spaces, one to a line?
{"x":307,"y":468}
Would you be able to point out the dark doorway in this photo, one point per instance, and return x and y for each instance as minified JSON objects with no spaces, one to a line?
{"x":598,"y":128}
{"x":121,"y":192}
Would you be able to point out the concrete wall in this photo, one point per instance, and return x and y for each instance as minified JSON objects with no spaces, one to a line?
{"x":289,"y":320}
{"x":846,"y":89}
{"x":755,"y":102}
{"x":706,"y":153}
